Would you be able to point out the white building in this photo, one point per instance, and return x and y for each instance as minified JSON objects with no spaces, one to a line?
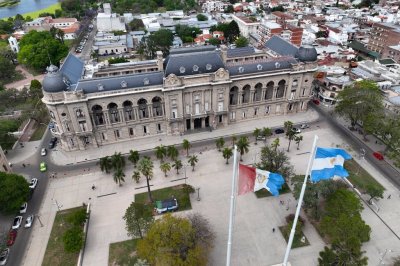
{"x":246,"y":26}
{"x":213,"y":6}
{"x":108,"y":21}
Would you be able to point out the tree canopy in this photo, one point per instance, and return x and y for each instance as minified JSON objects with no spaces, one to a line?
{"x":138,"y":218}
{"x":231,"y":30}
{"x":38,"y":48}
{"x":160,"y":40}
{"x":14,"y":190}
{"x":241,"y":42}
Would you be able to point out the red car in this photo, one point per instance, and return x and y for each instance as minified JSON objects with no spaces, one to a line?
{"x":316,"y":101}
{"x":12,"y":235}
{"x":378,"y":155}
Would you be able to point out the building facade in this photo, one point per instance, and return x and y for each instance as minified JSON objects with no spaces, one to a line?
{"x":382,"y":36}
{"x":192,"y":89}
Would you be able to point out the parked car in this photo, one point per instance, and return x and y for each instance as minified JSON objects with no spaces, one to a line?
{"x":17,"y":222}
{"x":296,"y":130}
{"x":279,"y":131}
{"x":304,"y":126}
{"x":43,"y":152}
{"x":29,"y":221}
{"x":43,"y":167}
{"x":166,"y":205}
{"x":4,"y":256}
{"x":52,"y":142}
{"x":378,"y":156}
{"x":261,"y":138}
{"x":23,"y":208}
{"x":316,"y":101}
{"x":12,"y":235}
{"x":33,"y":183}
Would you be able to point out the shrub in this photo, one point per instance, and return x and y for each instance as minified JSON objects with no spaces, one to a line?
{"x":73,"y":239}
{"x":188,"y":189}
{"x":77,"y":218}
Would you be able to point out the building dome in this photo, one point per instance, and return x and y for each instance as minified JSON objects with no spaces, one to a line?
{"x":54,"y":80}
{"x":306,"y":54}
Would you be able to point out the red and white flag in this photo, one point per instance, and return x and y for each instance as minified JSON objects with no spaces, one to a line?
{"x":247,"y":178}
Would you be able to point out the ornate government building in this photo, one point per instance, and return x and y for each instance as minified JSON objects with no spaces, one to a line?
{"x":191,"y":89}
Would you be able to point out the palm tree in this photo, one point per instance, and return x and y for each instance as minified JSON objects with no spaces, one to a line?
{"x":220,"y":143}
{"x":146,"y":168}
{"x":275,"y":144}
{"x":290,"y":133}
{"x":165,"y":167}
{"x":298,"y":139}
{"x":234,"y":138}
{"x":119,"y":176}
{"x":177,"y":165}
{"x":266,"y":132}
{"x":136,"y":176}
{"x":133,"y":157}
{"x":118,"y":161}
{"x":243,"y":146}
{"x":186,"y":145}
{"x":172,"y":152}
{"x":227,"y":153}
{"x":161,"y":152}
{"x":256,"y":133}
{"x":105,"y":164}
{"x":193,"y":160}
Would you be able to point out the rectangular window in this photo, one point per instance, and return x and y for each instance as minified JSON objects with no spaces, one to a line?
{"x":304,"y":92}
{"x":302,"y":106}
{"x":130,"y":131}
{"x":174,"y":113}
{"x":267,"y":109}
{"x":103,"y":136}
{"x":220,"y":106}
{"x":67,"y":127}
{"x":145,"y":129}
{"x":87,"y":140}
{"x":72,"y":142}
{"x":206,"y":106}
{"x":116,"y":132}
{"x":243,"y":114}
{"x":188,"y":109}
{"x":159,"y":127}
{"x":82,"y":125}
{"x":197,"y":109}
{"x":255,"y":111}
{"x":233,"y":115}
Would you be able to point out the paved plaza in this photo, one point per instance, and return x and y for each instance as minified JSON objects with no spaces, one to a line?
{"x":254,"y":242}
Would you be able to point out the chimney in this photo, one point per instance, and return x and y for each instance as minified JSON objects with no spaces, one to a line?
{"x":224,"y":52}
{"x":160,"y":60}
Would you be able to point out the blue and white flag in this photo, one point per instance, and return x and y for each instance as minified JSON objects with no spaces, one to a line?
{"x":270,"y":181}
{"x":328,"y":162}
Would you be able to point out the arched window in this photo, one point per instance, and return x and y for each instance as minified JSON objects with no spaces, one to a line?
{"x":270,"y":90}
{"x":128,"y":110}
{"x":233,"y":95}
{"x":258,"y":92}
{"x":143,"y":111}
{"x":246,"y":94}
{"x":113,"y":110}
{"x":157,"y":108}
{"x":281,"y":89}
{"x":98,"y":115}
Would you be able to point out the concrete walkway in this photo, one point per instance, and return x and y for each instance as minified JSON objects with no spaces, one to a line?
{"x":24,"y":82}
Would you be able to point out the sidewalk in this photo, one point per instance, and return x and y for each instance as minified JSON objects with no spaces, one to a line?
{"x":27,"y":81}
{"x":149,"y":143}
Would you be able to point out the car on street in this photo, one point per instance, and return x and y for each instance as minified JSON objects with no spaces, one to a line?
{"x":316,"y":101}
{"x":261,"y":138}
{"x":296,"y":130}
{"x":43,"y":167}
{"x":23,"y":208}
{"x":43,"y":152}
{"x":304,"y":126}
{"x":279,"y":131}
{"x":52,"y":142}
{"x":33,"y":183}
{"x":12,"y":235}
{"x":29,"y":221}
{"x":378,"y":156}
{"x":4,"y":256}
{"x":17,"y":222}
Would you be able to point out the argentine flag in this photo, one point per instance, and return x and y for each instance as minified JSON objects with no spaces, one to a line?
{"x":328,"y":162}
{"x":270,"y":181}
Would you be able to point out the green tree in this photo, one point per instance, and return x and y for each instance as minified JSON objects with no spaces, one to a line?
{"x":7,"y":69}
{"x":387,"y":129}
{"x":241,"y":42}
{"x":220,"y":142}
{"x":136,"y":176}
{"x":77,"y":217}
{"x":214,"y":41}
{"x":138,"y":218}
{"x":35,"y":89}
{"x":374,"y":192}
{"x":256,"y":134}
{"x":177,"y":165}
{"x":73,"y":239}
{"x":133,"y":157}
{"x":290,"y":133}
{"x":275,"y":144}
{"x":193,"y":160}
{"x":229,"y":9}
{"x":357,"y":102}
{"x":161,"y":152}
{"x":278,"y":8}
{"x":160,"y":40}
{"x":38,"y":48}
{"x":136,"y":24}
{"x":14,"y":190}
{"x":186,"y":145}
{"x":106,"y":164}
{"x":119,"y":176}
{"x":298,"y":139}
{"x":243,"y":146}
{"x":266,"y":132}
{"x":117,"y":161}
{"x":233,"y":31}
{"x":172,"y":152}
{"x":165,"y":167}
{"x":201,"y":17}
{"x":172,"y":241}
{"x":227,"y":154}
{"x":146,"y":168}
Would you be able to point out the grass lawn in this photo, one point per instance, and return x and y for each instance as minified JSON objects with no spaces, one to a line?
{"x":123,"y":253}
{"x":55,"y":253}
{"x":358,"y":176}
{"x":265,"y":193}
{"x":296,"y":240}
{"x":38,"y":134}
{"x":182,"y":196}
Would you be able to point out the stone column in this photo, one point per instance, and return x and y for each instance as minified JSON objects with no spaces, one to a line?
{"x":122,"y":115}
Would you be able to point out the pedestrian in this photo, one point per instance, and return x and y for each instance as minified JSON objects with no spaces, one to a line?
{"x":23,"y":165}
{"x":273,"y":230}
{"x":389,"y":196}
{"x":93,"y":187}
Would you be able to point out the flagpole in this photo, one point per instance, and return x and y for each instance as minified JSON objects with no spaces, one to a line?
{"x":232,"y":208}
{"x":300,"y":202}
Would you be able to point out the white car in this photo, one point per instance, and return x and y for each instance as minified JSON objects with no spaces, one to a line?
{"x":33,"y":183}
{"x":43,"y":152}
{"x":296,"y":130}
{"x":17,"y":222}
{"x":23,"y":208}
{"x":4,"y":256}
{"x":304,"y":126}
{"x":29,"y":221}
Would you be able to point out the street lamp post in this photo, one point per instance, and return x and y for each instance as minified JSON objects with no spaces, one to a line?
{"x":198,"y":194}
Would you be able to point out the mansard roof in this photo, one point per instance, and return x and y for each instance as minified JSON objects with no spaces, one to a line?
{"x":281,"y":46}
{"x":278,"y":64}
